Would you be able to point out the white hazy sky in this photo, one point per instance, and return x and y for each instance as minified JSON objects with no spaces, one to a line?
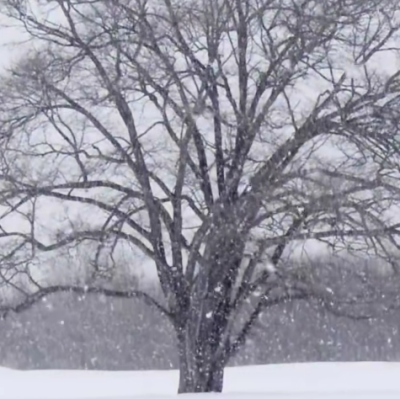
{"x":386,"y":63}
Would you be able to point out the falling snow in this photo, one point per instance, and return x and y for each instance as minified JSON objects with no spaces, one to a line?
{"x":185,"y":185}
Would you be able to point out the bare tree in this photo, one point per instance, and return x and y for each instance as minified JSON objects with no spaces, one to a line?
{"x":209,"y":137}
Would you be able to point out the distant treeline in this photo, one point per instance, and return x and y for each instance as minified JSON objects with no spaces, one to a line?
{"x":67,"y":331}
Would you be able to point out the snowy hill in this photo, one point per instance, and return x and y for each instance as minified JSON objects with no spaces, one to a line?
{"x":294,"y":381}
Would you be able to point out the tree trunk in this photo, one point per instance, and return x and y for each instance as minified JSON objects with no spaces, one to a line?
{"x":216,"y":380}
{"x":201,"y":328}
{"x":198,"y":371}
{"x":194,"y":381}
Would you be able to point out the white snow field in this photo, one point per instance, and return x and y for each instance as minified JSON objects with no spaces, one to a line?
{"x":291,"y":381}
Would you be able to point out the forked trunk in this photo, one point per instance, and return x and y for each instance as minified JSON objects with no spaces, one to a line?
{"x":201,"y":331}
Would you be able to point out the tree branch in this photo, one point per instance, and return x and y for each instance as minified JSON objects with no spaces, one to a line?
{"x":32,"y":299}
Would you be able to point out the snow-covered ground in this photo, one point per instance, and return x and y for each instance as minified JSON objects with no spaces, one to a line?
{"x":292,"y":381}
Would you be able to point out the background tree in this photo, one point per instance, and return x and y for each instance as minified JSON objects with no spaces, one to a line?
{"x":203,"y":139}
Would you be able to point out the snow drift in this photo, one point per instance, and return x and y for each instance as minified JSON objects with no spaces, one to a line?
{"x":291,"y":381}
